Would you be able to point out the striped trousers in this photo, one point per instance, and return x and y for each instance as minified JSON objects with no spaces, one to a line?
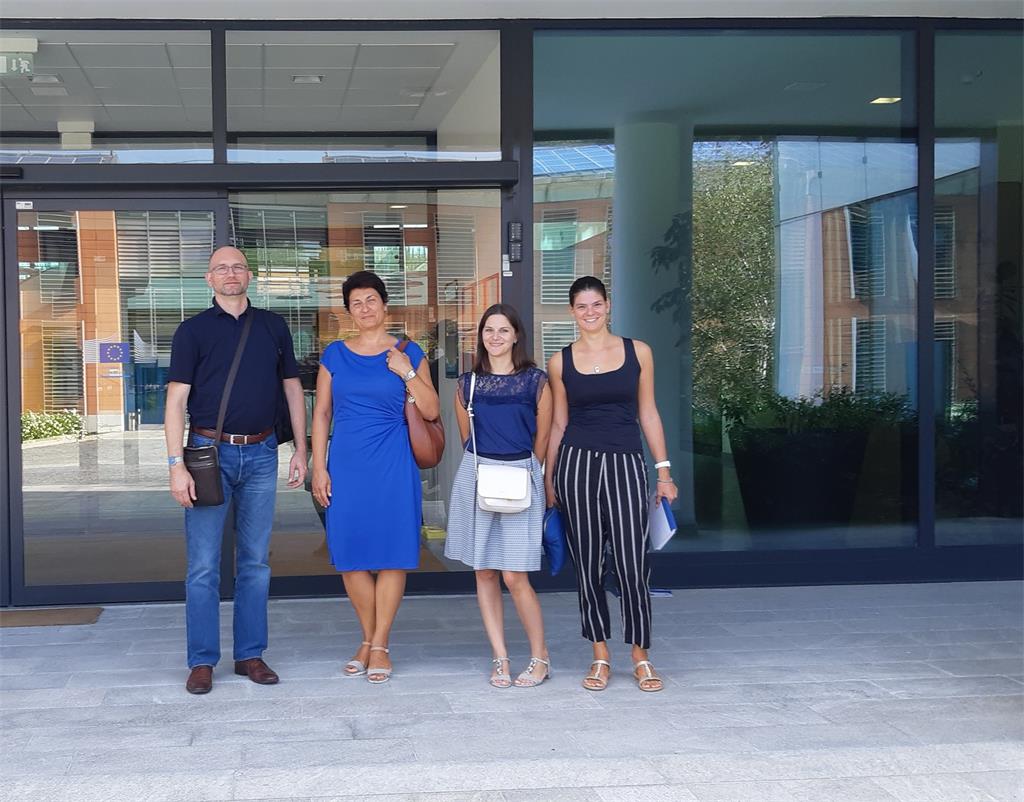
{"x":603,"y":498}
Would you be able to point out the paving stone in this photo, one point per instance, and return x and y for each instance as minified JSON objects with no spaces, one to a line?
{"x":933,"y":788}
{"x":794,"y":693}
{"x":846,"y":790}
{"x":1006,"y":786}
{"x":646,"y":793}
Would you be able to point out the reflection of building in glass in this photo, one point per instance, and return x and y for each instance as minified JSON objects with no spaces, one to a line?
{"x":846,"y":264}
{"x":90,"y":279}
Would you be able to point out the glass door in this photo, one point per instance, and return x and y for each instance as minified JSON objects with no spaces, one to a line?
{"x":98,"y":289}
{"x":439,"y":255}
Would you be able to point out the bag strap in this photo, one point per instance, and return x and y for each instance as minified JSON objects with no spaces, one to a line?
{"x":469,"y":411}
{"x":224,"y":396}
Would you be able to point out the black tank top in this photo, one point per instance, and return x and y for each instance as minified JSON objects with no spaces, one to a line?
{"x":603,"y":406}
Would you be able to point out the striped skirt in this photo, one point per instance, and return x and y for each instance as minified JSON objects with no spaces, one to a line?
{"x":494,"y":540}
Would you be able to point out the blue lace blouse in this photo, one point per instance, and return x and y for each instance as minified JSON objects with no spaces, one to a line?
{"x":505,"y":410}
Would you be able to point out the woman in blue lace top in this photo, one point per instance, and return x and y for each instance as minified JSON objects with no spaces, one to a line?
{"x":512,"y":418}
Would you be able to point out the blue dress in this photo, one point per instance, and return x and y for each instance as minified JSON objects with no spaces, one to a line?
{"x":373,"y":521}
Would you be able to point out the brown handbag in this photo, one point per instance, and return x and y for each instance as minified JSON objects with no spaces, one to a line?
{"x":425,"y":436}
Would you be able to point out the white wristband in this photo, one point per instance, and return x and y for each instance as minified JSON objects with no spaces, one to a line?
{"x":663,"y":464}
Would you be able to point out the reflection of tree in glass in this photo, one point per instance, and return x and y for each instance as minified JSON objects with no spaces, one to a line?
{"x":733,"y":273}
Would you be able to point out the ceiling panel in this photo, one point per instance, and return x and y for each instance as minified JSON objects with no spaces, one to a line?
{"x":296,"y":96}
{"x":382,"y":97}
{"x":403,"y":55}
{"x":289,"y":57}
{"x":141,"y":94}
{"x":243,"y":79}
{"x":15,"y":118}
{"x":192,"y":79}
{"x":189,"y":56}
{"x":121,"y":55}
{"x":385,"y":79}
{"x":51,"y":114}
{"x":54,"y":56}
{"x":244,"y":57}
{"x":358,"y":117}
{"x":244,"y":97}
{"x":147,"y":118}
{"x":197,"y":97}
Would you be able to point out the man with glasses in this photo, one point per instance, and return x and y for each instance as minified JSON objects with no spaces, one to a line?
{"x":201,"y":355}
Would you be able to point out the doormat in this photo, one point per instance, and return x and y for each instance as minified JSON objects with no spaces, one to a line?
{"x":50,"y":617}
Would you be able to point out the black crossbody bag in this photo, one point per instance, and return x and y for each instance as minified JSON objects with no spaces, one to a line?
{"x":203,"y":462}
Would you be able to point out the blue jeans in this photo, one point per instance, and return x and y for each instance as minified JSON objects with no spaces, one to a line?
{"x":249,"y":477}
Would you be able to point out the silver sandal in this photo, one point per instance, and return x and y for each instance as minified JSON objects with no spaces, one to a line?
{"x":526,"y":678}
{"x":383,"y":673}
{"x":500,"y":679}
{"x":357,"y":666}
{"x":647,"y":676}
{"x":595,"y":676}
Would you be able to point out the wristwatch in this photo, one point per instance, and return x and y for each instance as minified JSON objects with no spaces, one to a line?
{"x":172,"y":461}
{"x":409,"y":376}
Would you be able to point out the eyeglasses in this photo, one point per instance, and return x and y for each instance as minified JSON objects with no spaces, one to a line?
{"x":223,"y":270}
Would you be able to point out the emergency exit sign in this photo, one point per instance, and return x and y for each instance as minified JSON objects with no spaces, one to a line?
{"x":16,"y":63}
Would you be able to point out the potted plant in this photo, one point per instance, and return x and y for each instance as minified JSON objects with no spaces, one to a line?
{"x":799,"y":461}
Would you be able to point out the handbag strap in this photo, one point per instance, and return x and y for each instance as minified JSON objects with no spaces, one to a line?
{"x":469,"y":411}
{"x":224,"y":396}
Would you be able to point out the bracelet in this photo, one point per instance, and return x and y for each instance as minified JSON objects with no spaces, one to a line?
{"x":667,"y":481}
{"x":663,"y":464}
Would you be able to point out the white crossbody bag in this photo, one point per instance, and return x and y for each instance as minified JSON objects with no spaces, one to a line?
{"x":499,"y":488}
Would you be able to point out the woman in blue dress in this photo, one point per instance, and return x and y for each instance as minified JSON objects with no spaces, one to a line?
{"x":512,"y":418}
{"x":373,"y":520}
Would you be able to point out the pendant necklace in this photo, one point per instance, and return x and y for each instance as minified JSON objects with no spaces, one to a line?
{"x":597,"y":368}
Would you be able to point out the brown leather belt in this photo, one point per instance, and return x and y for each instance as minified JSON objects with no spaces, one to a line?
{"x":234,"y":439}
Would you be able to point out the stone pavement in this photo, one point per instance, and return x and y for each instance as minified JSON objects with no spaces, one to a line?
{"x":843,"y":693}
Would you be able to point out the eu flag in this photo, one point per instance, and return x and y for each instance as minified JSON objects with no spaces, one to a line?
{"x":115,"y":352}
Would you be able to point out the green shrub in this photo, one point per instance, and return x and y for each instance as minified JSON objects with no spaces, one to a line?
{"x":37,"y":425}
{"x":841,"y":409}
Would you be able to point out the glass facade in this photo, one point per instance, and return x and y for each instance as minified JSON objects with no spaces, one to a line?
{"x":757,"y":223}
{"x":105,"y":97}
{"x":759,"y":232}
{"x":362,"y":96}
{"x":979,"y":384}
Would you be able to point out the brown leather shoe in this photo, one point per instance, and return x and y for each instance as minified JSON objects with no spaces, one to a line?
{"x":256,"y":670}
{"x":200,"y":680}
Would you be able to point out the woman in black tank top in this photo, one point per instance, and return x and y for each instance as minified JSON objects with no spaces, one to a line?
{"x":602,"y":389}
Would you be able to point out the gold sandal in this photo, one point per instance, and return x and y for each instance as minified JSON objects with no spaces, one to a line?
{"x":595,"y":676}
{"x":648,"y":676}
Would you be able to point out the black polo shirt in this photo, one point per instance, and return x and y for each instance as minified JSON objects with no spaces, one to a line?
{"x":201,"y":355}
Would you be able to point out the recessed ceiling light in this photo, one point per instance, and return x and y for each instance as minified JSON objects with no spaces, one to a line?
{"x":741,"y":163}
{"x":307,"y":79}
{"x":398,"y":206}
{"x":40,"y":78}
{"x":885,"y":101}
{"x":48,"y":91}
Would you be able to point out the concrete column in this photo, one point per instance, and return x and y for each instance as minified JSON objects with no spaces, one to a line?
{"x":652,"y":207}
